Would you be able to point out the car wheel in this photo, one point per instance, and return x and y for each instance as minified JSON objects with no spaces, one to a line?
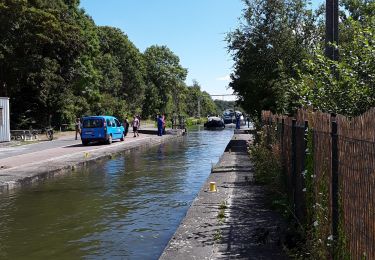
{"x":109,"y":141}
{"x":122,"y":137}
{"x":85,"y":142}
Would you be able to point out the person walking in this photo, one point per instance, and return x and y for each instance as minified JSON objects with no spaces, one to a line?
{"x":164,"y":124}
{"x":238,"y":122}
{"x":126,"y":126}
{"x":160,"y":125}
{"x":135,"y":125}
{"x":78,"y":127}
{"x":139,"y":121}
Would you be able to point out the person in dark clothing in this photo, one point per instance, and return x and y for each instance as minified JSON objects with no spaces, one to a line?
{"x":238,"y":121}
{"x":78,"y":127}
{"x":160,"y":125}
{"x":126,"y":126}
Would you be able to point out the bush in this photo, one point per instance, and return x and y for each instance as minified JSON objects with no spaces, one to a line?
{"x":195,"y":121}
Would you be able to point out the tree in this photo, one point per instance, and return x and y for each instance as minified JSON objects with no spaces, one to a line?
{"x":126,"y":80}
{"x":352,"y":91}
{"x":222,"y":105}
{"x":165,"y":77}
{"x":56,"y":65}
{"x":40,"y":45}
{"x":195,"y":97}
{"x":273,"y":31}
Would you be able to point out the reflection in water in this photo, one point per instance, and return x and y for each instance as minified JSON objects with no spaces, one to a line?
{"x":127,"y":207}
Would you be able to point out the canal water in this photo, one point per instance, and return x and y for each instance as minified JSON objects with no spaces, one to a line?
{"x":124,"y":208}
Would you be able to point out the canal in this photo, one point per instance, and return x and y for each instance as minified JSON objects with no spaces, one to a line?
{"x":124,"y":208}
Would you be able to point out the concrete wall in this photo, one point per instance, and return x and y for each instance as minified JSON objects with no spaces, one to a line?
{"x":4,"y":120}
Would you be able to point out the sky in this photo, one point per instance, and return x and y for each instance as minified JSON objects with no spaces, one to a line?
{"x":194,"y":30}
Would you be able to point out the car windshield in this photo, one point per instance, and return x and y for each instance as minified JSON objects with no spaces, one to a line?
{"x":92,"y":123}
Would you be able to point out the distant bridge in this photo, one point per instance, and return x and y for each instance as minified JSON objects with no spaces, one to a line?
{"x":220,"y":95}
{"x":224,"y":95}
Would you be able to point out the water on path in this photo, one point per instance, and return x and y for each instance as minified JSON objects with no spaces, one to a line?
{"x":124,"y":208}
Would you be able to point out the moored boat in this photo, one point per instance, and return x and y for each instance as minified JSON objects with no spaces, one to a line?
{"x":214,"y":123}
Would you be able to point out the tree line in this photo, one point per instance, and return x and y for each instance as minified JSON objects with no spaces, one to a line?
{"x":280,"y":65}
{"x":56,"y":65}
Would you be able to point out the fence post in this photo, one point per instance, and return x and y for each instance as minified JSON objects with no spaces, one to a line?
{"x":278,"y":129}
{"x":306,"y":136}
{"x":335,"y":180}
{"x":304,"y":163}
{"x":270,"y":132}
{"x":294,"y":163}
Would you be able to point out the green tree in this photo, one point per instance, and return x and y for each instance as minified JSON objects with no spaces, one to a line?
{"x":123,"y":68}
{"x":222,"y":105}
{"x":165,"y":79}
{"x":272,"y":32}
{"x":39,"y":48}
{"x":352,"y":91}
{"x":195,"y":97}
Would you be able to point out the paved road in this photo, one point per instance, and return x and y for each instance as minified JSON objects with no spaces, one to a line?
{"x":9,"y":151}
{"x":12,"y":157}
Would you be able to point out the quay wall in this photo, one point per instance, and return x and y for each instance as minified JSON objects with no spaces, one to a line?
{"x":232,"y":221}
{"x":14,"y":178}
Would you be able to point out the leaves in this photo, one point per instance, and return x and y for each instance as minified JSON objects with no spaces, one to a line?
{"x":349,"y":90}
{"x":164,"y":74}
{"x":280,"y":63}
{"x":56,"y":65}
{"x":271,"y":33}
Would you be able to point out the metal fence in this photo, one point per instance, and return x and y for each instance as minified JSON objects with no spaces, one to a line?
{"x":343,"y":162}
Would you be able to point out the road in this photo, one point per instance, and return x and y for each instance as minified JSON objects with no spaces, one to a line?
{"x":16,"y":156}
{"x":10,"y":151}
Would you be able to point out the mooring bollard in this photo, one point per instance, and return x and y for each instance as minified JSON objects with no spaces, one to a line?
{"x":213,"y":186}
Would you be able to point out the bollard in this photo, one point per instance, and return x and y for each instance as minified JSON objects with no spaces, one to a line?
{"x":213,"y":186}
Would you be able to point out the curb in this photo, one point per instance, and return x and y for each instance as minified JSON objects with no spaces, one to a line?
{"x":32,"y":173}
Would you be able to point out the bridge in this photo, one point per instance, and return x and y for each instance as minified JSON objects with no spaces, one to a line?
{"x":223,"y":96}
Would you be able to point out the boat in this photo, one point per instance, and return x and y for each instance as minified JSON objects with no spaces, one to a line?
{"x":214,"y":123}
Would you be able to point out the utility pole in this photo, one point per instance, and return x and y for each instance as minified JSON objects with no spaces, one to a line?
{"x":332,"y":52}
{"x":332,"y":29}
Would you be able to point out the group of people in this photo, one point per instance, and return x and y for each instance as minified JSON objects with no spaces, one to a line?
{"x":136,"y":123}
{"x":161,"y":124}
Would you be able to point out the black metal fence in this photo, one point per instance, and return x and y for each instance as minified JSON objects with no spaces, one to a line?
{"x":343,"y":172}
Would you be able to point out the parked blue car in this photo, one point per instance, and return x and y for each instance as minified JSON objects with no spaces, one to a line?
{"x":101,"y":129}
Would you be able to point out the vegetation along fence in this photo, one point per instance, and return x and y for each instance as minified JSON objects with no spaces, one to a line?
{"x":329,"y":162}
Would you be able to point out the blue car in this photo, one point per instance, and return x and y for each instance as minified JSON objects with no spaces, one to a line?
{"x":103,"y":129}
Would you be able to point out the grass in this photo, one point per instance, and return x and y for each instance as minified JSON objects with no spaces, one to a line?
{"x":218,"y":236}
{"x":221,"y":215}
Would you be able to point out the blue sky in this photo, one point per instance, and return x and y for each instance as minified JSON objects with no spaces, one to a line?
{"x":194,"y":30}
